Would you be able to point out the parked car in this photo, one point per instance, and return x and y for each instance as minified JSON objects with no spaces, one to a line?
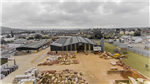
{"x":44,"y":47}
{"x":37,"y":39}
{"x":10,"y":52}
{"x":130,"y":46}
{"x":111,"y":41}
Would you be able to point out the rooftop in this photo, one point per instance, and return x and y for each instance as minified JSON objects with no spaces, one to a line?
{"x":72,"y":40}
{"x":35,"y":44}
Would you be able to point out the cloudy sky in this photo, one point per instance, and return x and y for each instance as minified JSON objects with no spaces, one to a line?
{"x":71,"y":14}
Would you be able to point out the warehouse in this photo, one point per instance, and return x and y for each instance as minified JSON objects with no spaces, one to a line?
{"x":35,"y":46}
{"x":73,"y":44}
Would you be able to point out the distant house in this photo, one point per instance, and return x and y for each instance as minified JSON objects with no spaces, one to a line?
{"x":9,"y":39}
{"x":136,"y":39}
{"x":131,"y":32}
{"x":31,"y":34}
{"x":122,"y":32}
{"x":20,"y":41}
{"x":126,"y":38}
{"x":13,"y":45}
{"x":127,"y":32}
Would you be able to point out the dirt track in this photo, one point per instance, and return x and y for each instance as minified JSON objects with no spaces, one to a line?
{"x":93,"y":67}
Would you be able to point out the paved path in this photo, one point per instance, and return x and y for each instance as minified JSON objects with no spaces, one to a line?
{"x":40,"y":58}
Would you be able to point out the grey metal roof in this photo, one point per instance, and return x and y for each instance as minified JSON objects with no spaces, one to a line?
{"x":56,"y":44}
{"x":134,"y":38}
{"x":125,"y":36}
{"x":36,"y":44}
{"x":67,"y":42}
{"x":5,"y":55}
{"x":78,"y":39}
{"x":82,"y":39}
{"x":91,"y":42}
{"x":41,"y":43}
{"x":72,"y":40}
{"x":61,"y":40}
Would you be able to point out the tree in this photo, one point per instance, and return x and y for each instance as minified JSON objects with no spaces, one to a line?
{"x":30,"y":37}
{"x":12,"y":34}
{"x":37,"y":36}
{"x":97,"y":34}
{"x":146,"y":65}
{"x":3,"y":41}
{"x":33,"y":32}
{"x":137,"y":33}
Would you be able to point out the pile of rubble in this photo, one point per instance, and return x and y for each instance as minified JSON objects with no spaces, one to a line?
{"x":120,"y":63}
{"x":52,"y":53}
{"x":105,"y":55}
{"x":65,"y":59}
{"x":86,"y":53}
{"x":61,"y":77}
{"x":28,"y":77}
{"x":132,"y":73}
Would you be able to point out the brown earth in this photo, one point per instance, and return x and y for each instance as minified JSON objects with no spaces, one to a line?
{"x":93,"y":67}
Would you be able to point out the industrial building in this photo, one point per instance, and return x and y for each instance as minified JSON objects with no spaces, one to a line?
{"x":35,"y":46}
{"x":73,"y":44}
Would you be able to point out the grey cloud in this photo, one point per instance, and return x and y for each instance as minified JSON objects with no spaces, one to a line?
{"x":81,"y":14}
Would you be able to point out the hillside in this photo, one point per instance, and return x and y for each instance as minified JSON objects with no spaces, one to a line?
{"x":7,"y":28}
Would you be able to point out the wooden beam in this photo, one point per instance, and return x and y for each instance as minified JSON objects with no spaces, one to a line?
{"x":89,"y":47}
{"x":62,"y":48}
{"x":85,"y":46}
{"x":71,"y":47}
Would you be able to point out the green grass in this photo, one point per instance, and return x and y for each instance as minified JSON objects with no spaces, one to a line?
{"x":106,"y":39}
{"x":134,"y":60}
{"x":108,"y":47}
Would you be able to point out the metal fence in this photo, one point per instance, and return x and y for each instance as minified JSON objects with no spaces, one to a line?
{"x":139,"y":52}
{"x":145,"y":53}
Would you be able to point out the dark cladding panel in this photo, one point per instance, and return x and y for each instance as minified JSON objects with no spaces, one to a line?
{"x":91,"y":46}
{"x":53,"y":48}
{"x":69,"y":47}
{"x":73,"y":47}
{"x":59,"y":49}
{"x":64,"y":48}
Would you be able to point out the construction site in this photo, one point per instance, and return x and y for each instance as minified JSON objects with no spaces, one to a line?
{"x":77,"y":67}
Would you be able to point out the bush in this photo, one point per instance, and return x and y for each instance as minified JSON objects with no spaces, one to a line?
{"x":30,"y":38}
{"x":37,"y":36}
{"x":3,"y":41}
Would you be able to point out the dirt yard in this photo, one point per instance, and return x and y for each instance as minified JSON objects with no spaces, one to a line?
{"x":93,"y":67}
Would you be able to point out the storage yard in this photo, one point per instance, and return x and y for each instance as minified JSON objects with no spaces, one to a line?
{"x":94,"y":69}
{"x":134,"y":60}
{"x":71,"y":67}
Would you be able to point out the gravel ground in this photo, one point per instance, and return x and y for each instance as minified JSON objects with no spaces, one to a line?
{"x":93,"y":67}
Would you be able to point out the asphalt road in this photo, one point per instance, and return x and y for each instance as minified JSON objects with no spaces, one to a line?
{"x":133,"y":49}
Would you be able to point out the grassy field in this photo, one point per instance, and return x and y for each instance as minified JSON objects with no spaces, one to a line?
{"x":134,"y":60}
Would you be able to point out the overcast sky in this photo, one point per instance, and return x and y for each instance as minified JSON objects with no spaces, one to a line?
{"x":79,"y":14}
